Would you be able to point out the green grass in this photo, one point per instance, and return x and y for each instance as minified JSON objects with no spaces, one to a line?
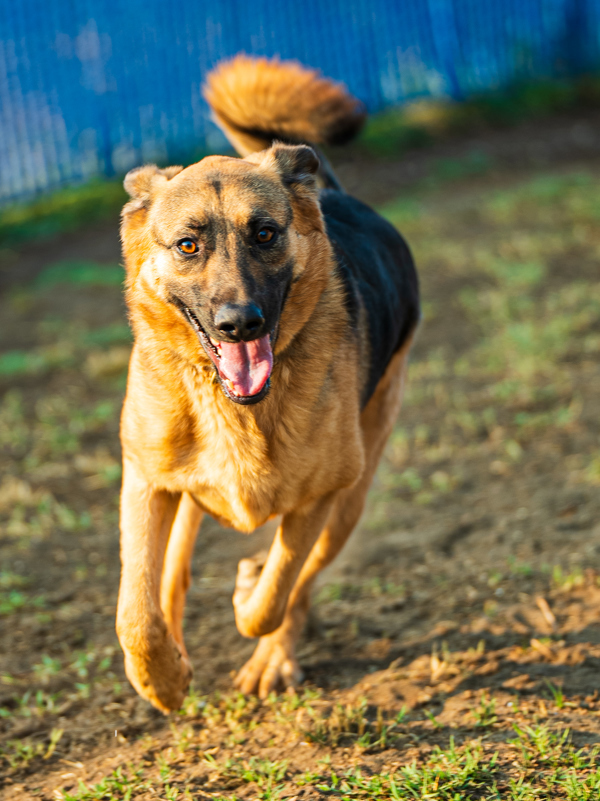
{"x":419,"y":123}
{"x":15,"y":363}
{"x":485,"y":715}
{"x":82,"y":273}
{"x":522,"y":261}
{"x":119,"y":786}
{"x":62,"y":211}
{"x":55,"y":434}
{"x":447,"y":774}
{"x":267,"y":775}
{"x":15,"y":601}
{"x":529,"y":326}
{"x":113,"y":334}
{"x":537,"y":763}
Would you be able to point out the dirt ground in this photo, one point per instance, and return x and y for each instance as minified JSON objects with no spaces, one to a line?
{"x":464,"y":613}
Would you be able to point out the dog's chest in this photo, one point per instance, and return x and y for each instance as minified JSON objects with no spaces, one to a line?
{"x":245,"y":476}
{"x":244,"y":467}
{"x":235,"y":479}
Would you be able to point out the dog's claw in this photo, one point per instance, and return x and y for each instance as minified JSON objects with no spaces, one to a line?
{"x":272,"y":666}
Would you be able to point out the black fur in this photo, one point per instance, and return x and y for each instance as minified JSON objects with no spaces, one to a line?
{"x":378,"y":272}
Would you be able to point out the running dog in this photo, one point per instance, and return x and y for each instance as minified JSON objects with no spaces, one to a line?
{"x":272,"y":316}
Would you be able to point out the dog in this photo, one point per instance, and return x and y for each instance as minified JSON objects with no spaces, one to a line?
{"x":273,"y":316}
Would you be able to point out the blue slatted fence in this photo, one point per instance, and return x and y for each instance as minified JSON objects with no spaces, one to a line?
{"x":91,"y":88}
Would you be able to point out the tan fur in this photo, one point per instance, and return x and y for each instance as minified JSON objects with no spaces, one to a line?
{"x":187,"y":448}
{"x":176,"y":572}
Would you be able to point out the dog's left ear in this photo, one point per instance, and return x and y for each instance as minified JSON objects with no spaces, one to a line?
{"x":296,"y":165}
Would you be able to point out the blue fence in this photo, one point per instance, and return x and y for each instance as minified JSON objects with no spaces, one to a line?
{"x":97,"y":87}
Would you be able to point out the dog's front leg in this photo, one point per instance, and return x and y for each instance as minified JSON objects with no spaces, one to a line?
{"x":260,"y":602}
{"x":176,"y":572}
{"x":153,"y":661}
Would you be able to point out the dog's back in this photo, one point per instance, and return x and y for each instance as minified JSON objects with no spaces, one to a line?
{"x":379,"y":276}
{"x":259,"y":101}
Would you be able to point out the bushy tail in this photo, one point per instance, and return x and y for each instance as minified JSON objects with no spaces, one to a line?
{"x":257,"y":100}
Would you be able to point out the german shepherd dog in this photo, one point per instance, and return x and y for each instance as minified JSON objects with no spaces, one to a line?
{"x":272,"y":318}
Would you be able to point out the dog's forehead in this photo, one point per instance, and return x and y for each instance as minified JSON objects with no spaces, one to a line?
{"x":219,"y":187}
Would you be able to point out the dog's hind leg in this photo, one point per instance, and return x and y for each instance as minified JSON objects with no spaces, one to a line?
{"x":176,"y":572}
{"x":154,"y":663}
{"x":274,"y":662}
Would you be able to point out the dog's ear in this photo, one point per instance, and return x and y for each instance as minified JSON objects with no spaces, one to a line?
{"x":140,"y":183}
{"x":296,"y":165}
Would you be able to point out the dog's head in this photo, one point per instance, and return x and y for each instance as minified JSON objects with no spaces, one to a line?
{"x":230,"y":252}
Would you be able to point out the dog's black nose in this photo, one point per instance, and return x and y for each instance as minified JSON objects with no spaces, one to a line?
{"x":239,"y":323}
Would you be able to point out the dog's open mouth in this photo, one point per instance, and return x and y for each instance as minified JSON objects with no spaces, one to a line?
{"x":243,"y":368}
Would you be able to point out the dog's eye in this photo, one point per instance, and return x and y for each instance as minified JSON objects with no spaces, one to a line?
{"x":187,"y":247}
{"x":265,"y":235}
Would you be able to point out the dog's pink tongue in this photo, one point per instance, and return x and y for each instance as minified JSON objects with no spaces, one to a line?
{"x":247,"y":365}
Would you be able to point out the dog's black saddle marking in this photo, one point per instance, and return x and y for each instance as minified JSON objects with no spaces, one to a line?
{"x":379,"y":274}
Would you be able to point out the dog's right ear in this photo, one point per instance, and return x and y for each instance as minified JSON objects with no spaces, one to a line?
{"x":141,"y":182}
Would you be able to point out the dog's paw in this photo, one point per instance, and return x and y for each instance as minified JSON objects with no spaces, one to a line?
{"x":272,"y":667}
{"x":248,"y":573}
{"x":161,"y":675}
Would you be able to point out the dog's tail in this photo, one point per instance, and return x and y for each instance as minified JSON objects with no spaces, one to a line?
{"x":257,"y":100}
